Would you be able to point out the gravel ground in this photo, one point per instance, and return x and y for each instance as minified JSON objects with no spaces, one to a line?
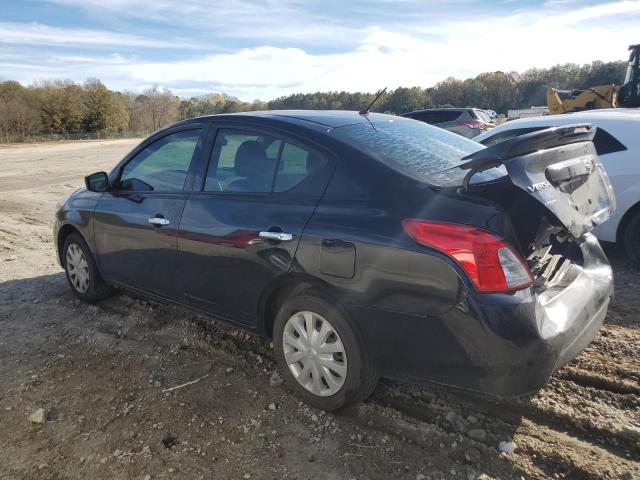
{"x":100,"y":373}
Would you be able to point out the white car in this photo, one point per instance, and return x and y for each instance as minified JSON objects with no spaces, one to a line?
{"x":617,"y":141}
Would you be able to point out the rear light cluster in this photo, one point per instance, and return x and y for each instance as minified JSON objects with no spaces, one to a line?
{"x":471,"y":124}
{"x":491,"y":264}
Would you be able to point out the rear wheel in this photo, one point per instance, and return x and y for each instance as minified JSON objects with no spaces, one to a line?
{"x":82,"y":273}
{"x":320,"y":355}
{"x":631,"y":238}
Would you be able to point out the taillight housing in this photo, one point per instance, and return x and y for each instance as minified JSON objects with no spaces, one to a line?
{"x":491,"y":264}
{"x":471,"y":124}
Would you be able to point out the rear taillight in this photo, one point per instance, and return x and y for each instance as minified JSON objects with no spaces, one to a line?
{"x":492,"y":265}
{"x":471,"y":124}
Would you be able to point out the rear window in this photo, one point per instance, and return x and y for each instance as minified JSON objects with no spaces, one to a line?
{"x":436,"y":116}
{"x":420,"y":151}
{"x":606,"y":143}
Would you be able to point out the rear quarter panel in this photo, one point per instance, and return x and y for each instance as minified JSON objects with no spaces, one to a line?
{"x":391,"y":271}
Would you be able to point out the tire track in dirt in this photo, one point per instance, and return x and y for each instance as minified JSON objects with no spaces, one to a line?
{"x":542,"y":450}
{"x":554,"y":414}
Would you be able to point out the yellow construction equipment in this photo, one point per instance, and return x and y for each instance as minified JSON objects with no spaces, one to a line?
{"x":603,"y":96}
{"x":564,"y":101}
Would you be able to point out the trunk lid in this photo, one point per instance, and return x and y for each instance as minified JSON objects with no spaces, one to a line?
{"x":560,"y":168}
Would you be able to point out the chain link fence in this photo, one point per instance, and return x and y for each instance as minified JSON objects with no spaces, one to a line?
{"x":61,"y":137}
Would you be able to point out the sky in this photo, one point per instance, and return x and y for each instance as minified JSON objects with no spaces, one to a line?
{"x":263,"y":49}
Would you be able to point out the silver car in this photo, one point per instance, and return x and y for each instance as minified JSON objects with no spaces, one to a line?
{"x":468,"y":122}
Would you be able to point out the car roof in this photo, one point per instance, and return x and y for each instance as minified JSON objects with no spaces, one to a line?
{"x":622,"y":120}
{"x":325,"y":118}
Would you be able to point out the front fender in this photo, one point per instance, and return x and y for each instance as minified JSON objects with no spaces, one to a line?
{"x":76,"y":213}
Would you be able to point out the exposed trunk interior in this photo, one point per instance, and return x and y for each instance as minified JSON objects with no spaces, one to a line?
{"x":550,"y":251}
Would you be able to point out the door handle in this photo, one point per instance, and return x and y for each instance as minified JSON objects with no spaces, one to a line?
{"x":158,"y":221}
{"x":278,"y":236}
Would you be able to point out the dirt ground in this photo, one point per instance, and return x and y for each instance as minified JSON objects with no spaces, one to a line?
{"x":101,"y":370}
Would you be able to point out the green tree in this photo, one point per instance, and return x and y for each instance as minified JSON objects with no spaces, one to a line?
{"x":105,"y":112}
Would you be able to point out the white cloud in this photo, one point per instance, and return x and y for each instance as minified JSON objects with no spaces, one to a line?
{"x":38,"y":34}
{"x":385,"y":55}
{"x":387,"y":58}
{"x":241,"y":19}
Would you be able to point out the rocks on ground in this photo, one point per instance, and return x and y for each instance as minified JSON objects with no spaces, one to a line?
{"x":40,"y":416}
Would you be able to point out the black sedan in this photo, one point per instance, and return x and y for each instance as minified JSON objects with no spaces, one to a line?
{"x":362,"y":244}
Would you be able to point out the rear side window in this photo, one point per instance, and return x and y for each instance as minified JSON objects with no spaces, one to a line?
{"x":242,"y":162}
{"x":161,"y":166}
{"x":437,"y":116}
{"x":508,"y":135}
{"x":606,"y":143}
{"x":446,"y":116}
{"x":427,"y":117}
{"x":418,"y":150}
{"x":296,"y":164}
{"x":449,"y":116}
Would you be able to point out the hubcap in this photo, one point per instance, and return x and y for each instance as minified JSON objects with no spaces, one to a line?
{"x":314,"y":353}
{"x":77,"y":268}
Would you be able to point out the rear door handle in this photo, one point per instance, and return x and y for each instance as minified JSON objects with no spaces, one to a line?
{"x":159,"y":221}
{"x":278,"y":236}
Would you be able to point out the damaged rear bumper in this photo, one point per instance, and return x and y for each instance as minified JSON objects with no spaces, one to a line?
{"x":558,"y":324}
{"x":499,"y":344}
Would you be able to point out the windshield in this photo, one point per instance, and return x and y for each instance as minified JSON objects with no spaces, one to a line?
{"x":416,"y":149}
{"x":630,"y":68}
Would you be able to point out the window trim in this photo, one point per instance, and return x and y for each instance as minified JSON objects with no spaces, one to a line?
{"x":116,"y":173}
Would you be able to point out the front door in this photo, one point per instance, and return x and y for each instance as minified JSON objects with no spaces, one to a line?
{"x":135,"y":224}
{"x":241,"y":231}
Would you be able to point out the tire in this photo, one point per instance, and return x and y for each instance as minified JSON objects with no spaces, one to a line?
{"x":360,"y":375}
{"x":81,"y":271}
{"x":631,"y":238}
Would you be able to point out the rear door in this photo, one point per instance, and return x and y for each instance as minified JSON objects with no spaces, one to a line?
{"x":561,"y":169}
{"x":136,"y":222}
{"x":241,"y":231}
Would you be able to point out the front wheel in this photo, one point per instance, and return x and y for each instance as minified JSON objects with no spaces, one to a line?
{"x":82,"y":273}
{"x":631,"y":238}
{"x":320,"y":355}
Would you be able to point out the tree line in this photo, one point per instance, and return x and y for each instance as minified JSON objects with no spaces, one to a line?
{"x":62,"y":108}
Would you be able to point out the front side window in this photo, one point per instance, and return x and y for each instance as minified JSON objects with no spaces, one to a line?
{"x":242,"y":161}
{"x":162,"y":166}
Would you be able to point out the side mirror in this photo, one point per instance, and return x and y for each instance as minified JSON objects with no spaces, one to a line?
{"x":97,"y":182}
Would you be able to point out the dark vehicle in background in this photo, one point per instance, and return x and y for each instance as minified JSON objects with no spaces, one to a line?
{"x":363,"y":245}
{"x":468,"y":122}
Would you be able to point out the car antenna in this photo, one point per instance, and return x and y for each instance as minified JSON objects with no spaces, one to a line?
{"x":365,"y":111}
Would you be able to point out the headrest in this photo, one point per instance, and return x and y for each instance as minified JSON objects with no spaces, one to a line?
{"x":251,"y":160}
